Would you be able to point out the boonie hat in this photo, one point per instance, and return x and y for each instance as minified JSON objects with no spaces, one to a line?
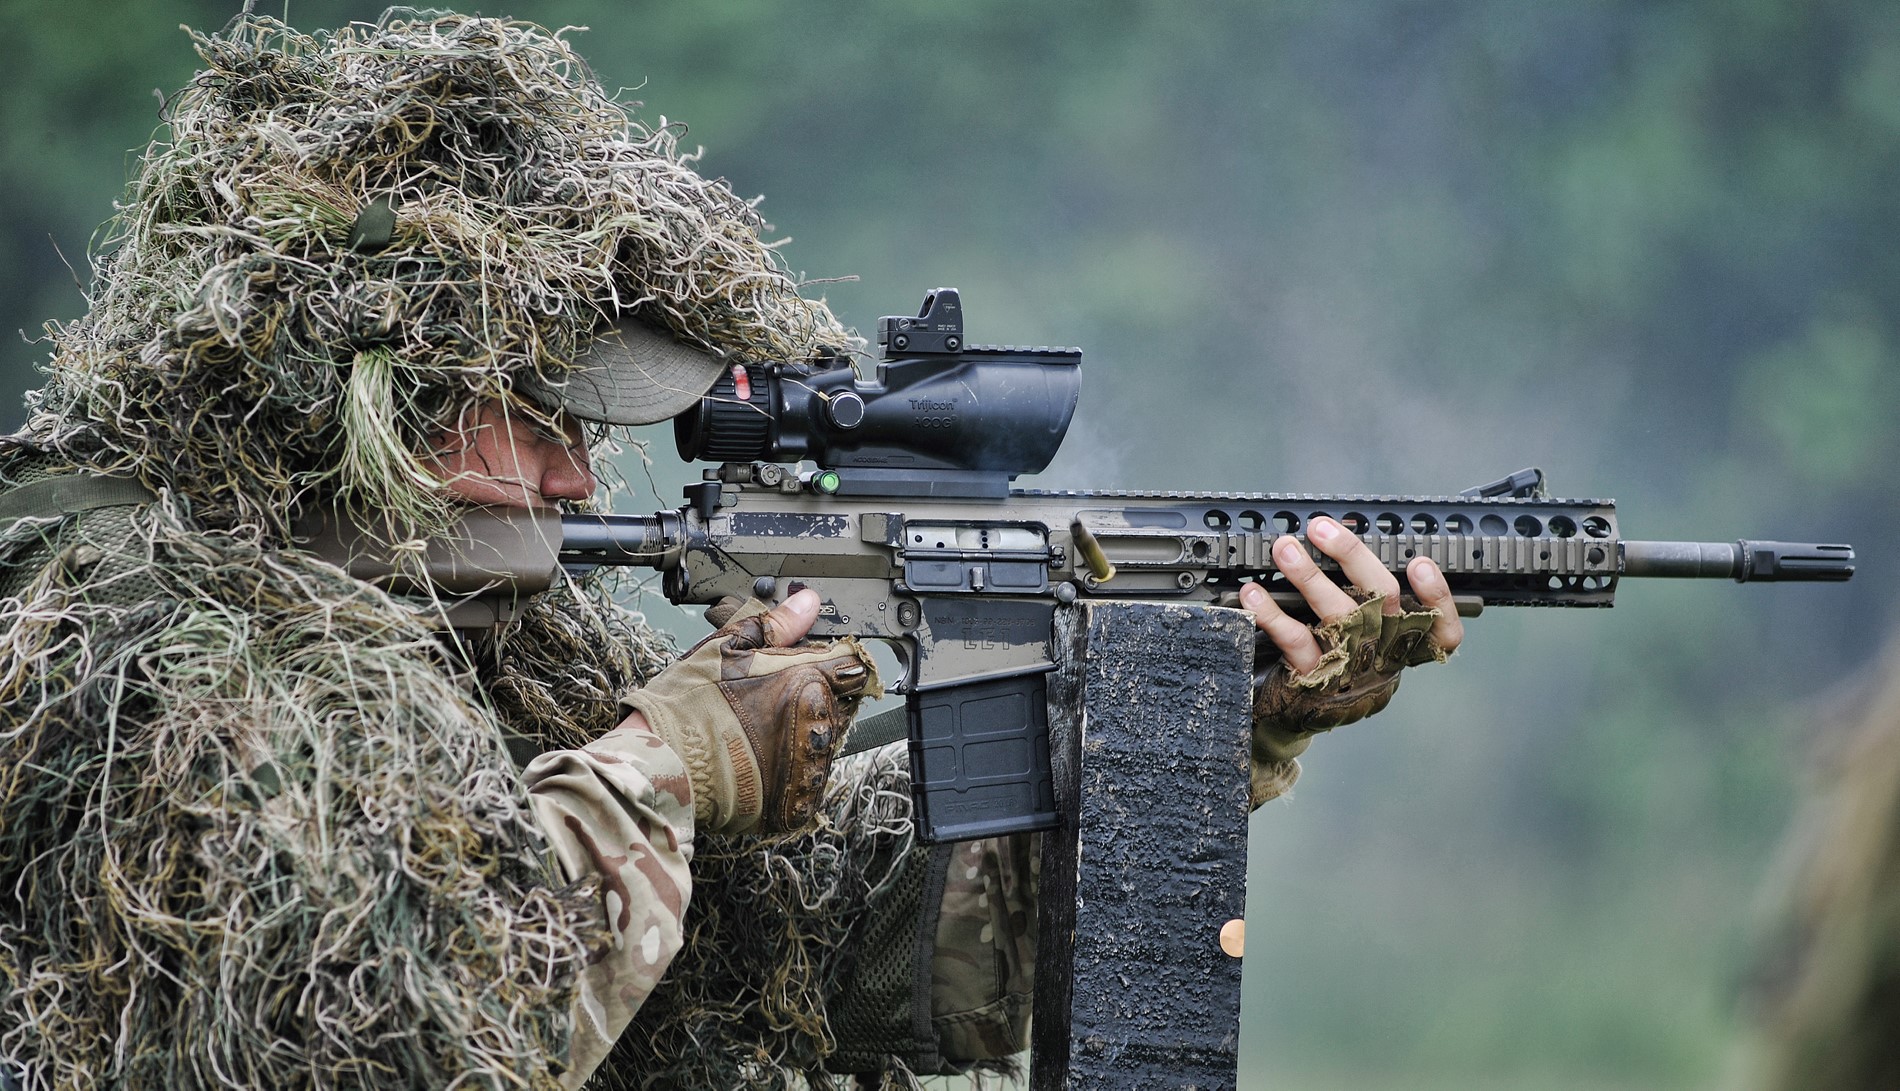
{"x":634,"y":374}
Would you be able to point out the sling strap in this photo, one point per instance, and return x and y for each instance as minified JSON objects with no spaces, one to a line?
{"x":880,"y":729}
{"x":69,"y":494}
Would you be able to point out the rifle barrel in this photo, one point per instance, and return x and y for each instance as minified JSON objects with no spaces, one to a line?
{"x":1743,"y":561}
{"x":613,"y":539}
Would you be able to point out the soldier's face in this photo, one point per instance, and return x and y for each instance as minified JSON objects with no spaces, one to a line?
{"x":502,"y":459}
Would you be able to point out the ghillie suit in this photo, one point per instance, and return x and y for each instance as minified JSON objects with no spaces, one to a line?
{"x":350,"y":238}
{"x":258,"y":823}
{"x":254,"y":832}
{"x":1829,"y":994}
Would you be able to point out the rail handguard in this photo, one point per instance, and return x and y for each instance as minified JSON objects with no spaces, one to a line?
{"x":906,"y":525}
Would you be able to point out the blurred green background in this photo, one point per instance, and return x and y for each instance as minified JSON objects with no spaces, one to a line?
{"x":1388,"y":246}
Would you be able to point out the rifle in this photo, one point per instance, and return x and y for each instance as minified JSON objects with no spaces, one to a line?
{"x":905,"y":522}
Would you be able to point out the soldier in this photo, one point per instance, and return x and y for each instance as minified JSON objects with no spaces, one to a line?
{"x":259,"y":821}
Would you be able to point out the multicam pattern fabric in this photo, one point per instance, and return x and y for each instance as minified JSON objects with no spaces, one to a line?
{"x":983,"y":977}
{"x":757,"y":723}
{"x":618,"y":813}
{"x":1362,"y":654}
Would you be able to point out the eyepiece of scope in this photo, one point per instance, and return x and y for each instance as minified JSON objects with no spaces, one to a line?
{"x":725,"y":428}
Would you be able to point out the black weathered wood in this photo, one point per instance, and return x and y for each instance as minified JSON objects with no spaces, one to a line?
{"x":1149,"y":721}
{"x":1055,"y":892}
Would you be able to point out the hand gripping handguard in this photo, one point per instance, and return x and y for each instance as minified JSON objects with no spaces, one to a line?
{"x":1361,"y":655}
{"x":757,"y":725}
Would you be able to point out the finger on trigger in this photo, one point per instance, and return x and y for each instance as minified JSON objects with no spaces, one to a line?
{"x":1429,"y":585}
{"x":1293,"y":638}
{"x":1362,"y":568}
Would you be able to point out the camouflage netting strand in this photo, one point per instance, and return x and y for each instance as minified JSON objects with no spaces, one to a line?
{"x":239,"y":349}
{"x":258,"y":824}
{"x":556,"y":674}
{"x":247,"y":812}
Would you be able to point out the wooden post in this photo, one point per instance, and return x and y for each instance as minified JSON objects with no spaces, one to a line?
{"x":1150,"y":713}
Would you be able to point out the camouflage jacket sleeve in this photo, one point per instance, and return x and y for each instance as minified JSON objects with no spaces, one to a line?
{"x":982,"y":970}
{"x":618,"y":811}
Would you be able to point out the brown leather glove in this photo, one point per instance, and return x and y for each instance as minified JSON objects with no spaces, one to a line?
{"x":757,"y":725}
{"x":1361,"y":655}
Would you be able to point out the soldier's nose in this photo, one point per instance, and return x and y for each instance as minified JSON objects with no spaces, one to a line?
{"x":569,"y":474}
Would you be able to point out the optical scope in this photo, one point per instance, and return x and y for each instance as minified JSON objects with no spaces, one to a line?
{"x":939,"y":418}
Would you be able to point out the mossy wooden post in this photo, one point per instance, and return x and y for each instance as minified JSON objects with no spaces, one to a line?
{"x":1149,"y":719}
